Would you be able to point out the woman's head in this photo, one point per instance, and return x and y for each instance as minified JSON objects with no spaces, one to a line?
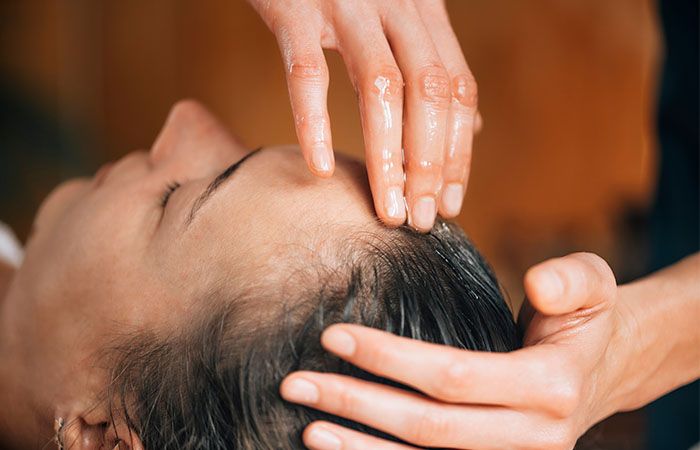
{"x":215,"y":385}
{"x":168,"y":296}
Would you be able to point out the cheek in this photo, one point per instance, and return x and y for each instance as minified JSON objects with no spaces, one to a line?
{"x":68,"y":245}
{"x":52,"y":230}
{"x":59,"y":202}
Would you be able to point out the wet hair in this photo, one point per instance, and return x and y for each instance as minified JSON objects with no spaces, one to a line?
{"x":215,"y":385}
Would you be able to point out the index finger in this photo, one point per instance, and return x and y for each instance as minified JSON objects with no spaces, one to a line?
{"x":427,"y":102}
{"x":450,"y":374}
{"x":379,"y":86}
{"x":307,"y":80}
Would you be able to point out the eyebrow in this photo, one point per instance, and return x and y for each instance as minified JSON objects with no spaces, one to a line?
{"x":214,"y":186}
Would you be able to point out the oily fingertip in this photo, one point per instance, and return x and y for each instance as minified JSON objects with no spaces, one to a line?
{"x":320,"y":161}
{"x":451,"y":200}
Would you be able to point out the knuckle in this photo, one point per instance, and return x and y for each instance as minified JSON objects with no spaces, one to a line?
{"x":562,"y":392}
{"x":387,"y":81}
{"x":431,"y":424}
{"x":565,"y":398}
{"x":429,"y":167}
{"x":449,"y":384}
{"x":308,"y":69}
{"x":309,"y":119}
{"x":346,"y":401}
{"x":465,"y":91}
{"x":434,"y":86}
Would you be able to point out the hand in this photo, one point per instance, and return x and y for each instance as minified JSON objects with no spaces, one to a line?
{"x":544,"y":396}
{"x":396,"y":52}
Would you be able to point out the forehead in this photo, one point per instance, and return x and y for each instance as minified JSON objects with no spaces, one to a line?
{"x":276,"y":184}
{"x":273,"y":213}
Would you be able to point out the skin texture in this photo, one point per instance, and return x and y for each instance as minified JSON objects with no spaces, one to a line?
{"x":591,"y":349}
{"x":105,"y":260}
{"x":417,"y":97}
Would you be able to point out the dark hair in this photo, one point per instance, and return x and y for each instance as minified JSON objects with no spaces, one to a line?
{"x":216,"y":384}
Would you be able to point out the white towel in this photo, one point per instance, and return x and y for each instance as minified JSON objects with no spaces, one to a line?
{"x":10,"y":248}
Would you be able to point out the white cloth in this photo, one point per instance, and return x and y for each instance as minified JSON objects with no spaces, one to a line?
{"x":11,"y":251}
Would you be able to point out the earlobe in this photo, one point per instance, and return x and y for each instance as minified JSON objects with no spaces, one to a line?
{"x":77,"y":434}
{"x":80,"y":433}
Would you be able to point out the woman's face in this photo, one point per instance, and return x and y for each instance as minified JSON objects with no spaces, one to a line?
{"x":126,"y":252}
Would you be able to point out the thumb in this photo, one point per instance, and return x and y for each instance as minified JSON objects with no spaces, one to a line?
{"x":563,"y":285}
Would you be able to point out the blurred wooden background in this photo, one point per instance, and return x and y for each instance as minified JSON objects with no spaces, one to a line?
{"x":566,"y":160}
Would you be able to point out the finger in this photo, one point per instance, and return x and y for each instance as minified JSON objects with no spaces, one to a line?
{"x":450,"y":374}
{"x":461,"y":121}
{"x":563,"y":285}
{"x":404,"y":414}
{"x":379,"y":85}
{"x":427,"y":98}
{"x":329,"y":436}
{"x":307,"y":80}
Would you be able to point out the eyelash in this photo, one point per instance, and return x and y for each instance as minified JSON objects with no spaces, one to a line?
{"x":170,"y":189}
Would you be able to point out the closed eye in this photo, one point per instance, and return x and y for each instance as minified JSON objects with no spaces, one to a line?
{"x":170,"y":189}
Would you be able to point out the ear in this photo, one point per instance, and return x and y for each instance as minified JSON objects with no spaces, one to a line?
{"x":97,"y":431}
{"x":122,"y":437}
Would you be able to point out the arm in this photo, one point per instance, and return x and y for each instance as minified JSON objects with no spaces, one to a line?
{"x":663,"y":312}
{"x":591,"y":349}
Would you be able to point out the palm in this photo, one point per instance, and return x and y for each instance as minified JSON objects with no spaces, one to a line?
{"x":576,"y":344}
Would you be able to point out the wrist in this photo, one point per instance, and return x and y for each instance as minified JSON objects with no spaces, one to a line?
{"x":631,"y":351}
{"x":656,"y":342}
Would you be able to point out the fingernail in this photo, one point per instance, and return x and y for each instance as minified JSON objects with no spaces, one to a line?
{"x":321,"y":160}
{"x":322,"y":439}
{"x":394,"y":203}
{"x":452,"y":198}
{"x":338,"y":342}
{"x":551,"y":285}
{"x":299,"y":390}
{"x":424,"y":213}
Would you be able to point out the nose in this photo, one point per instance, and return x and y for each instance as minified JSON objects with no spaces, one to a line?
{"x":192,"y":135}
